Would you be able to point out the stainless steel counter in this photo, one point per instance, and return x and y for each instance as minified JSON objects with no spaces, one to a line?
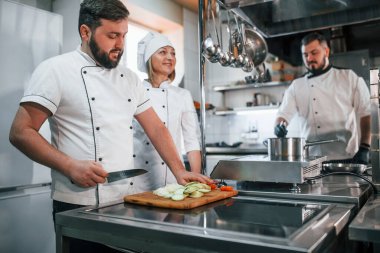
{"x":241,"y":224}
{"x":366,"y":225}
{"x":263,"y":217}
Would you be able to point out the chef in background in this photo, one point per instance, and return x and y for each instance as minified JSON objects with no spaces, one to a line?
{"x":331,"y":103}
{"x":175,"y":108}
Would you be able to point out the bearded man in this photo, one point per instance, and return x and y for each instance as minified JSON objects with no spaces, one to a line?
{"x":90,"y":101}
{"x":331,"y":104}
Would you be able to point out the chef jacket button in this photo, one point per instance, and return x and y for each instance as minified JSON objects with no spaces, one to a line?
{"x":147,"y":143}
{"x":163,"y":90}
{"x":85,"y":72}
{"x":121,"y":75}
{"x":316,"y":112}
{"x":312,"y":85}
{"x":163,"y":106}
{"x":314,"y":99}
{"x":130,"y":127}
{"x":100,"y":159}
{"x":318,"y":126}
{"x":129,"y":100}
{"x":97,"y":128}
{"x":131,"y":183}
{"x":146,"y":162}
{"x":147,"y":89}
{"x":162,"y":163}
{"x":92,"y":98}
{"x":164,"y":123}
{"x":134,"y":155}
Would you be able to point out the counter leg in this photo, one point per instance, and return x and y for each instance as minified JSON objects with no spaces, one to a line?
{"x":62,"y":243}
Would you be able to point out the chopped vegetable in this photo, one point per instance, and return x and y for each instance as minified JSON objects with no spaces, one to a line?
{"x":226,"y":188}
{"x":212,"y":186}
{"x":179,"y":192}
{"x":196,"y":194}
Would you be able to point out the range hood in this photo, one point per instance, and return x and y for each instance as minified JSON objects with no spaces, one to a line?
{"x":283,"y":17}
{"x":354,"y":25}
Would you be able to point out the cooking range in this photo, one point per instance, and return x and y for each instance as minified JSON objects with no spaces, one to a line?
{"x":264,"y":168}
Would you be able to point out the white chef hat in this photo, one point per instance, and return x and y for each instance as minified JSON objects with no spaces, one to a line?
{"x":148,"y":46}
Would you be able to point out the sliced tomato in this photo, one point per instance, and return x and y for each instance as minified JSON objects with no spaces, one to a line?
{"x":213,"y":186}
{"x":226,"y":188}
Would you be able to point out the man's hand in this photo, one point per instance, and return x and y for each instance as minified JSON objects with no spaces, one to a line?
{"x":280,"y":130}
{"x":87,"y":173}
{"x":362,"y":156}
{"x":186,"y":177}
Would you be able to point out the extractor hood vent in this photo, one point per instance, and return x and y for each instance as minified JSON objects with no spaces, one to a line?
{"x":283,"y":17}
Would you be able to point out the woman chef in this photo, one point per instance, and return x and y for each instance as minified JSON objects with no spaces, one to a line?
{"x":174,"y":106}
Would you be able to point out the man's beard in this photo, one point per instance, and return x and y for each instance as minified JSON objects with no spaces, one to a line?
{"x":102,"y":57}
{"x":318,"y":69}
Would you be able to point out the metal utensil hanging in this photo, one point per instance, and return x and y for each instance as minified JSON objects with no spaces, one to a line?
{"x":210,"y":50}
{"x":227,"y":58}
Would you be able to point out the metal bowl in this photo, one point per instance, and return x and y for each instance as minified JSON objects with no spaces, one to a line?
{"x":344,"y":167}
{"x":255,"y":47}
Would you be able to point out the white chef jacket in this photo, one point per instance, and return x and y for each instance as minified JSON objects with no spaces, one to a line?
{"x":329,"y":106}
{"x":92,"y":109}
{"x":175,"y":108}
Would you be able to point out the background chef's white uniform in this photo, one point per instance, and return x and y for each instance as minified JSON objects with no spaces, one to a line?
{"x":92,"y":110}
{"x":175,"y":107}
{"x":329,"y":106}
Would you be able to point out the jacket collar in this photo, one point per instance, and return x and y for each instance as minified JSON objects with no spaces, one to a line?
{"x":163,"y":85}
{"x":318,"y":73}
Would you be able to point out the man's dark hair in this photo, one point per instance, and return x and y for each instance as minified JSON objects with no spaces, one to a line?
{"x":91,"y":11}
{"x":314,"y":36}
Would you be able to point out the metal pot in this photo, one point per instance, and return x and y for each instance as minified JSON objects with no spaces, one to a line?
{"x":291,"y":147}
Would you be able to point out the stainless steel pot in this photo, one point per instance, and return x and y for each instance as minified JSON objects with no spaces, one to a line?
{"x":292,"y":147}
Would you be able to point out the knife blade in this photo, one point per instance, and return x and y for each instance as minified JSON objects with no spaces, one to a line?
{"x":118,"y":175}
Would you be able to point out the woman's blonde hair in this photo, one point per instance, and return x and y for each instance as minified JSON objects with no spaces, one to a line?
{"x":151,"y":71}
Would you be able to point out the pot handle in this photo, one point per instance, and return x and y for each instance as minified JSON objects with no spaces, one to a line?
{"x":305,"y":152}
{"x":312,"y":143}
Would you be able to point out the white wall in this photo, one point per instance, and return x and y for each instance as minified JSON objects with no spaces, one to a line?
{"x":70,"y":12}
{"x":161,"y":15}
{"x":191,"y":53}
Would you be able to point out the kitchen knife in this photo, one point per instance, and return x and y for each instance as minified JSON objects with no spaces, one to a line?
{"x":118,"y":175}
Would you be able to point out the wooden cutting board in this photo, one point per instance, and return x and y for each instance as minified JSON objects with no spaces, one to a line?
{"x":149,"y":199}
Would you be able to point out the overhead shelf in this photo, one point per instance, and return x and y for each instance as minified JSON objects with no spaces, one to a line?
{"x":249,"y":86}
{"x":243,"y":110}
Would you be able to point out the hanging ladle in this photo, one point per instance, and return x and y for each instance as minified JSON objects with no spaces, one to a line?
{"x":209,"y":50}
{"x":242,"y":59}
{"x":227,"y":58}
